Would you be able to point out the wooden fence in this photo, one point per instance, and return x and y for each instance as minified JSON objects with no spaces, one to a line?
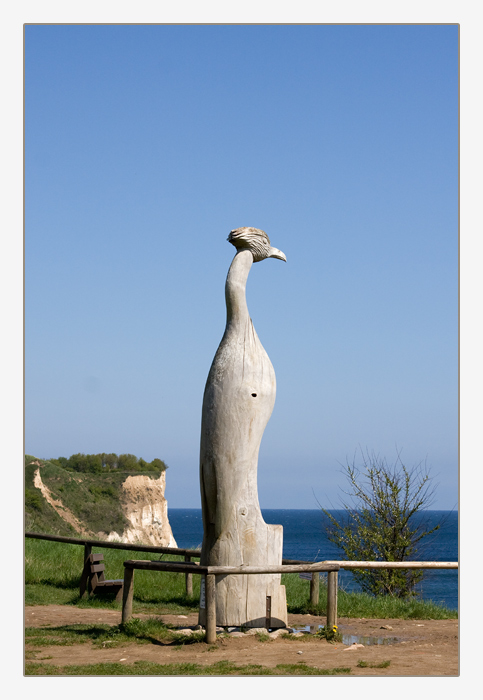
{"x":188,"y":568}
{"x":188,"y":554}
{"x":211,"y":572}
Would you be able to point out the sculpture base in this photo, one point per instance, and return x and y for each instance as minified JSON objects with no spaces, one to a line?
{"x":265,"y":599}
{"x":251,"y":600}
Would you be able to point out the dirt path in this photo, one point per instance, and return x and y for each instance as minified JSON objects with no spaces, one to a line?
{"x":413,"y":647}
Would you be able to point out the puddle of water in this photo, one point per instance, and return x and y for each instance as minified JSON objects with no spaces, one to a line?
{"x":349,"y":639}
{"x":367,"y":641}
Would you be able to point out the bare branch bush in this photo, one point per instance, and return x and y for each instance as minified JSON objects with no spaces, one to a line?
{"x":383,"y":521}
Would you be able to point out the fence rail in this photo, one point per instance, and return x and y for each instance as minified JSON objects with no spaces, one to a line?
{"x":116,"y":545}
{"x":397,"y":564}
{"x":88,"y":544}
{"x":211,"y":572}
{"x":189,"y":568}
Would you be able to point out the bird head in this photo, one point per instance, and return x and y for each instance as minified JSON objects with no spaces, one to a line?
{"x":256,"y":241}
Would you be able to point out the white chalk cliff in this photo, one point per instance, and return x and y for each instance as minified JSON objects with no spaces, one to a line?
{"x":146,"y":509}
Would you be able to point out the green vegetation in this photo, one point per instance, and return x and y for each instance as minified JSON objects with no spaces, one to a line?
{"x":33,"y":500}
{"x":100,"y":635}
{"x":150,"y":631}
{"x":366,"y":664}
{"x":380,"y":523}
{"x":331,"y":634}
{"x":104,"y":462}
{"x":263,"y":637}
{"x":52,"y":573}
{"x":92,"y":493}
{"x":351,"y":604}
{"x":52,"y":576}
{"x":148,"y":668}
{"x":53,"y":569}
{"x":39,"y":515}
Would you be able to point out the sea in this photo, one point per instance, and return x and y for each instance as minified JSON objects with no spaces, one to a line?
{"x":304,"y":538}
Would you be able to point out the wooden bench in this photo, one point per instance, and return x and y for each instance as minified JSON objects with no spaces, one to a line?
{"x":93,"y":578}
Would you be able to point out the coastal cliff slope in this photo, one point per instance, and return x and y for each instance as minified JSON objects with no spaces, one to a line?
{"x":116,"y":506}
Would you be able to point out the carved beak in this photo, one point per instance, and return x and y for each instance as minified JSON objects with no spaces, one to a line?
{"x":276,"y":253}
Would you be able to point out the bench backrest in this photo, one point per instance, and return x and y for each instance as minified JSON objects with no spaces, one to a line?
{"x":97,"y":569}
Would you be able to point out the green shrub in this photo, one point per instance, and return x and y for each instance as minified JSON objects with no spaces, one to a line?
{"x":33,"y":499}
{"x":103,"y":491}
{"x":331,"y":634}
{"x":380,"y":523}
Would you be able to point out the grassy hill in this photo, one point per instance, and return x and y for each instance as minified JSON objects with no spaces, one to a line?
{"x":95,"y":499}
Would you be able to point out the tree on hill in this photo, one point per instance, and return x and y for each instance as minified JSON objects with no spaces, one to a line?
{"x":85,"y":463}
{"x":109,"y":460}
{"x":158,"y":464}
{"x":127,"y":463}
{"x":102,"y":462}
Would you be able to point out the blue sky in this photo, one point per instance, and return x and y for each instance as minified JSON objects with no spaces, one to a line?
{"x":145,"y":145}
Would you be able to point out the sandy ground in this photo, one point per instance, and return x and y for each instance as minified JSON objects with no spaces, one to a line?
{"x":414,"y":647}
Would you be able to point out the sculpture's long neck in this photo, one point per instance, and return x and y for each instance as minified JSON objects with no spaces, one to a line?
{"x":236,"y":303}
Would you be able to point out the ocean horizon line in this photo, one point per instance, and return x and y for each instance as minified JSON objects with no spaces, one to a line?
{"x":423,"y":510}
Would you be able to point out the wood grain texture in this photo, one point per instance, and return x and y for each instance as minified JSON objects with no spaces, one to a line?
{"x":237,"y":404}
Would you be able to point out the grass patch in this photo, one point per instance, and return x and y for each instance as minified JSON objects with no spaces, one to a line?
{"x":367,"y":664}
{"x":331,"y":634}
{"x":353,"y":604}
{"x":302,"y":669}
{"x":53,"y":570}
{"x":147,"y":668}
{"x":305,"y":637}
{"x":153,"y":630}
{"x":67,"y":635}
{"x":44,"y":594}
{"x":263,"y":637}
{"x":149,"y":631}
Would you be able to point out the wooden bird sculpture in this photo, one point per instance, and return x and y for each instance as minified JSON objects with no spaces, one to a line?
{"x":237,"y":404}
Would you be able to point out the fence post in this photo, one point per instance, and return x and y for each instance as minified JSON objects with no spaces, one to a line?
{"x":127,"y":594}
{"x":84,"y":581}
{"x":314,"y":588}
{"x":332,"y":584}
{"x":188,"y":579}
{"x":210,"y":598}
